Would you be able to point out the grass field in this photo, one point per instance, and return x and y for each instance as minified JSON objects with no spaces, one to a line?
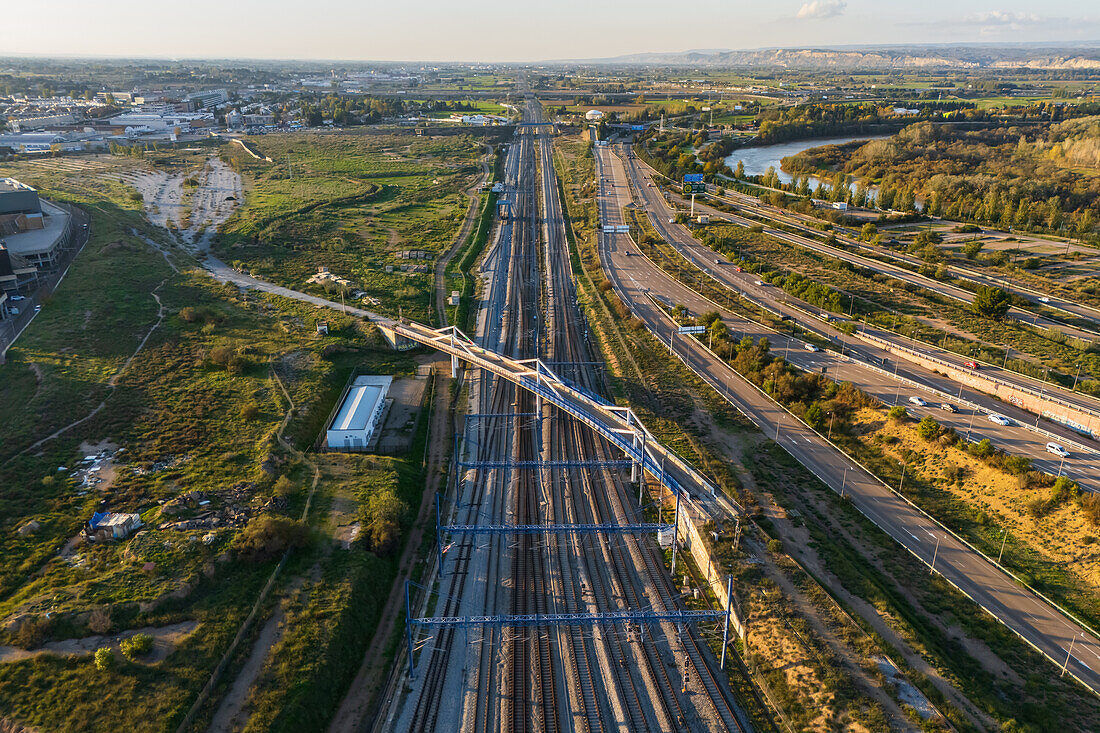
{"x":353,"y":203}
{"x":196,"y":410}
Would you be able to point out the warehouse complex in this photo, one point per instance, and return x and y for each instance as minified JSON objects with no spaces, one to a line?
{"x":360,"y":414}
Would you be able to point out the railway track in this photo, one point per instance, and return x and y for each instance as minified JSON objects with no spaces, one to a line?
{"x":552,"y":678}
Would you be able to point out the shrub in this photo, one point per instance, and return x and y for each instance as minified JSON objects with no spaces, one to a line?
{"x":1090,"y":507}
{"x":775,"y":546}
{"x":1017,"y":465}
{"x":284,"y":487}
{"x":898,"y":413}
{"x":137,"y":645}
{"x":971,"y":249}
{"x":104,"y":659}
{"x":250,"y":411}
{"x":100,"y":621}
{"x":982,"y":449}
{"x":267,"y":536}
{"x":928,"y":428}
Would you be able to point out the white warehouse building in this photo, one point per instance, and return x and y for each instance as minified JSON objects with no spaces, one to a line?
{"x":360,"y":414}
{"x":593,"y":114}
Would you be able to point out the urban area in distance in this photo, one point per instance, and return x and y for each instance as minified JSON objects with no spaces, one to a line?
{"x":596,"y":385}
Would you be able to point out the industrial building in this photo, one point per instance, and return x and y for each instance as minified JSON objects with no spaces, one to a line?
{"x":593,"y":114}
{"x":360,"y":414}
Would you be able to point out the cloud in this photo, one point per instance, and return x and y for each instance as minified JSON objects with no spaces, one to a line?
{"x":822,"y":9}
{"x":1004,"y":19}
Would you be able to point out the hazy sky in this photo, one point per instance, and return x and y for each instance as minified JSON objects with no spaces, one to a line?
{"x":497,"y":30}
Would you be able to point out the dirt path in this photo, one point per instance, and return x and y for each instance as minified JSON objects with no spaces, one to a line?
{"x":165,"y":639}
{"x":463,"y":233}
{"x":360,"y":702}
{"x":112,"y":383}
{"x":231,"y":714}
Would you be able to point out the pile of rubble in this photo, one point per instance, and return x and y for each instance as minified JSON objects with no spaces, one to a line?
{"x":231,"y":507}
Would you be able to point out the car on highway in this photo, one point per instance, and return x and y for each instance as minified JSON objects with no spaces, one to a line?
{"x":919,"y":402}
{"x":671,"y":220}
{"x":736,"y":268}
{"x":83,"y":226}
{"x":16,"y":298}
{"x":37,"y":308}
{"x":948,"y":407}
{"x":1044,"y":299}
{"x":972,"y":365}
{"x":1057,"y":450}
{"x":999,"y":419}
{"x":812,"y":348}
{"x":759,"y":282}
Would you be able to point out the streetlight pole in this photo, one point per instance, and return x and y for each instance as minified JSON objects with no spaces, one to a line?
{"x":1075,"y":378}
{"x":934,"y":556}
{"x":1004,"y":539}
{"x":1069,"y":654}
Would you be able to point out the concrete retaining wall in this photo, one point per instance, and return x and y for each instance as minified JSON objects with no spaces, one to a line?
{"x":1039,"y":403}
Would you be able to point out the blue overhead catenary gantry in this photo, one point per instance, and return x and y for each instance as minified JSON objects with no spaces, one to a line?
{"x":546,"y":464}
{"x":568,"y":619}
{"x":607,"y":528}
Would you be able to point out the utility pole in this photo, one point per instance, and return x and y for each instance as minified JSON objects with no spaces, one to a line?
{"x":1004,"y":539}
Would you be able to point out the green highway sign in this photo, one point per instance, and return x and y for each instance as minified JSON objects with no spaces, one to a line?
{"x":695,"y":188}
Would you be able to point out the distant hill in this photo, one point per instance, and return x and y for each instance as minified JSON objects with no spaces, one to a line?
{"x":1076,"y":56}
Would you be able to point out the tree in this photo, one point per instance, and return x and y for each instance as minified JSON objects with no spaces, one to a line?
{"x":928,"y":428}
{"x":868,"y":232}
{"x":814,"y":416}
{"x":991,"y":302}
{"x":739,"y":173}
{"x":383,"y":512}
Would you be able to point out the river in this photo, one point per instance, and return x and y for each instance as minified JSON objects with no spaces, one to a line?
{"x":757,"y":160}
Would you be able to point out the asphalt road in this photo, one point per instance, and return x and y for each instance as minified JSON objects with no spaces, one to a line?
{"x":635,"y":278}
{"x":777,"y":301}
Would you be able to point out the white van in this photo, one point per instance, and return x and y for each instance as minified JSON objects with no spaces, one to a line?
{"x":1057,"y":450}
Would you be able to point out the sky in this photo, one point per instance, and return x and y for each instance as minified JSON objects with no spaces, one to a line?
{"x":520,"y":30}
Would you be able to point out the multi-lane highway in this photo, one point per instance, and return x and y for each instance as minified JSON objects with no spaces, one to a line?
{"x":642,"y":285}
{"x":1038,"y":299}
{"x":775,"y":300}
{"x":655,"y":202}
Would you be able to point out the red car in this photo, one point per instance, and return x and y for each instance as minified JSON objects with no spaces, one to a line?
{"x":973,"y":365}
